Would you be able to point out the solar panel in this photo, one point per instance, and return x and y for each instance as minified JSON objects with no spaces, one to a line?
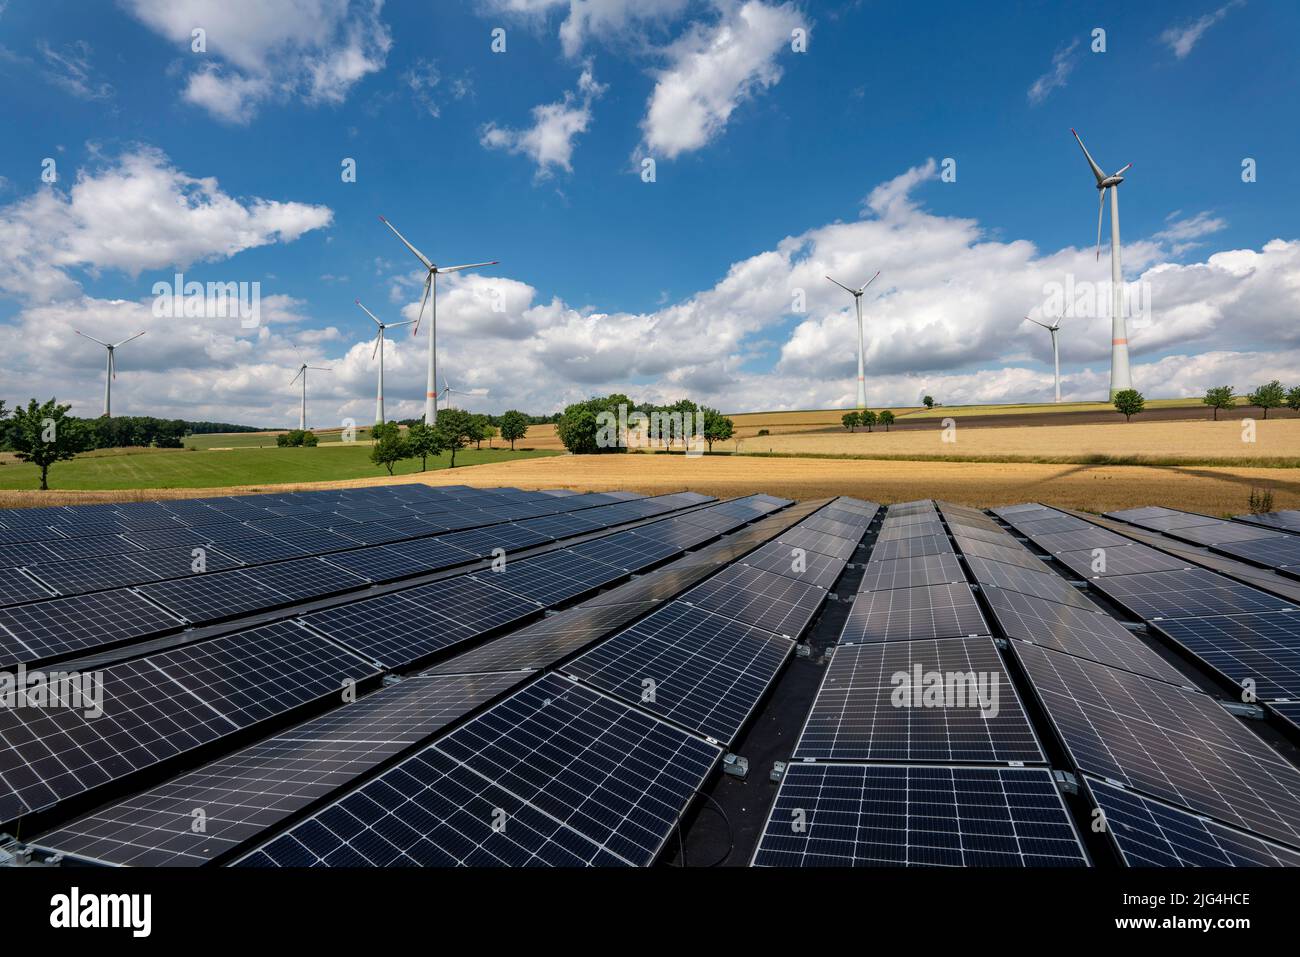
{"x":1009,"y":554}
{"x":806,"y":538}
{"x":1122,"y":560}
{"x":911,"y":547}
{"x":894,"y":533}
{"x":838,"y":815}
{"x":175,"y":535}
{"x":1086,"y":538}
{"x":1087,"y":634}
{"x":992,"y":535}
{"x":544,"y":643}
{"x":1167,"y":742}
{"x":773,"y":602}
{"x":560,"y":526}
{"x":1171,"y":521}
{"x":376,"y":533}
{"x":554,"y":577}
{"x":211,"y":597}
{"x":678,"y":534}
{"x":303,"y":578}
{"x":1186,"y":594}
{"x":91,"y":547}
{"x":912,"y":572}
{"x":626,"y":551}
{"x":16,"y":588}
{"x":618,"y":776}
{"x":948,"y":701}
{"x":430,"y":811}
{"x":379,"y":563}
{"x":1264,"y":649}
{"x":857,"y":520}
{"x":698,"y":670}
{"x":83,"y":575}
{"x":1223,"y":533}
{"x":27,"y":553}
{"x":264,"y":548}
{"x":34,"y":533}
{"x":814,"y":568}
{"x":180,"y":562}
{"x":908,"y":614}
{"x":1288,"y":711}
{"x":482,"y":542}
{"x":1271,"y":552}
{"x":820,"y":523}
{"x":1048,"y":526}
{"x":1149,"y":833}
{"x":54,"y":628}
{"x":251,"y":791}
{"x":430,"y":554}
{"x":1145,"y":512}
{"x":1040,"y":584}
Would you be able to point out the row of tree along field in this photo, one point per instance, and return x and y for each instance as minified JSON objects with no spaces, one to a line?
{"x":454,"y":429}
{"x":614,"y":423}
{"x":1271,"y":395}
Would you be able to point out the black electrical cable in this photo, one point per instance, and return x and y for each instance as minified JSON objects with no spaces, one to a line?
{"x":731,"y":835}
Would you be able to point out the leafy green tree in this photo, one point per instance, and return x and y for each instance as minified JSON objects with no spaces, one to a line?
{"x":868,"y":419}
{"x":514,"y":426}
{"x":1268,"y":396}
{"x":583,"y":429}
{"x":928,"y":402}
{"x":1220,"y":397}
{"x":309,"y":440}
{"x":454,"y":430}
{"x":44,"y":434}
{"x":1292,"y":401}
{"x":1129,"y":402}
{"x":423,"y":442}
{"x":851,"y":420}
{"x":886,"y":419}
{"x":390,"y":445}
{"x":716,"y":426}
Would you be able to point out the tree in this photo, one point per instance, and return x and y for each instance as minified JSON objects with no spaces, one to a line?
{"x":390,"y":445}
{"x":423,"y":441}
{"x":482,"y":429}
{"x":1220,"y":397}
{"x":454,"y":429}
{"x":514,"y":426}
{"x":928,"y":402}
{"x":851,"y":420}
{"x":581,"y":424}
{"x":1292,"y":401}
{"x":716,"y":426}
{"x":868,"y":419}
{"x":1268,"y":396}
{"x":45,"y":434}
{"x":886,"y":419}
{"x":1129,"y":402}
{"x":309,"y":440}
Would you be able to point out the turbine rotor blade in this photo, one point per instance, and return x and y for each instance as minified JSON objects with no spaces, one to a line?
{"x":419,"y":255}
{"x":91,"y":338}
{"x":428,"y":283}
{"x":112,"y":364}
{"x":378,"y":341}
{"x":1096,"y":170}
{"x":1121,"y":172}
{"x":466,"y":266}
{"x":369,"y":313}
{"x":128,"y":339}
{"x":851,"y":292}
{"x":1101,"y":211}
{"x":869,"y":282}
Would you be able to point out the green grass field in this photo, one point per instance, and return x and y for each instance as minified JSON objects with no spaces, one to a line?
{"x":1042,"y":408}
{"x":180,"y":468}
{"x":253,"y":440}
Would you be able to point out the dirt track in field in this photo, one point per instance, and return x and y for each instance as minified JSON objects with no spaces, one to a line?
{"x":1097,"y":488}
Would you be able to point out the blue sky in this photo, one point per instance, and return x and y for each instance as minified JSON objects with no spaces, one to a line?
{"x":613,"y":282}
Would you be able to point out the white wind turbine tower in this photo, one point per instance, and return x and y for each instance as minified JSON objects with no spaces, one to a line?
{"x":302,"y":371}
{"x":1054,"y":328}
{"x":857,"y":301}
{"x":431,"y":291}
{"x":448,"y":390}
{"x":379,"y":351}
{"x":110,"y":372}
{"x":1120,"y":378}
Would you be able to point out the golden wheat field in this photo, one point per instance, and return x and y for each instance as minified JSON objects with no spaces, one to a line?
{"x":1187,"y":440}
{"x":1220,"y":491}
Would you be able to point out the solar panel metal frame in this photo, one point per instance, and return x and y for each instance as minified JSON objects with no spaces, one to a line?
{"x":911,"y":614}
{"x":939,"y":569}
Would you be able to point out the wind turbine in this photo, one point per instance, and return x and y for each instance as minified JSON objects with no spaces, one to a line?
{"x":110,"y":372}
{"x":448,"y":390}
{"x":379,"y":351}
{"x":1054,"y":328}
{"x":1120,"y":378}
{"x":302,"y":371}
{"x":431,"y":291}
{"x":857,"y":301}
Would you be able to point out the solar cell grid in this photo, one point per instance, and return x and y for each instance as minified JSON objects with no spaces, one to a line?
{"x":820,"y":523}
{"x":813,"y":568}
{"x":1167,"y":742}
{"x":1224,"y":533}
{"x":625,"y":550}
{"x":1271,"y":553}
{"x":1040,"y":584}
{"x":1086,"y":634}
{"x":90,"y":574}
{"x":483,"y":541}
{"x":908,"y":614}
{"x":1011,"y":554}
{"x":776,"y":603}
{"x":303,"y":578}
{"x":971,"y":714}
{"x":55,"y":628}
{"x":91,"y":547}
{"x":1073,"y":541}
{"x":1149,"y":833}
{"x":16,"y":588}
{"x":806,"y":538}
{"x":911,"y":547}
{"x":216,"y":595}
{"x":878,"y":816}
{"x":554,"y":577}
{"x":911,"y":572}
{"x":430,"y":554}
{"x":1186,"y":594}
{"x":1121,"y":560}
{"x":25,"y":553}
{"x":1057,"y":523}
{"x":379,"y":563}
{"x":1263,"y":649}
{"x":894,"y":533}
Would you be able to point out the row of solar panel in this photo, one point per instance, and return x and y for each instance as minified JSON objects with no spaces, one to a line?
{"x":900,"y":764}
{"x":1184,"y":781}
{"x":46,"y":630}
{"x":595,"y":764}
{"x":1254,"y":543}
{"x":1288,"y":519}
{"x":246,"y":793}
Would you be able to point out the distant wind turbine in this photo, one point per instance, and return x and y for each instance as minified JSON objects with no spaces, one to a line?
{"x":857,"y":301}
{"x":111,"y":372}
{"x":1120,"y":378}
{"x":302,"y":371}
{"x":379,"y":351}
{"x":431,"y":291}
{"x":447,"y":390}
{"x":1054,"y":328}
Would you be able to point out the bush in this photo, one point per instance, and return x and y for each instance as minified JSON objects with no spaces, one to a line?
{"x":1261,"y":501}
